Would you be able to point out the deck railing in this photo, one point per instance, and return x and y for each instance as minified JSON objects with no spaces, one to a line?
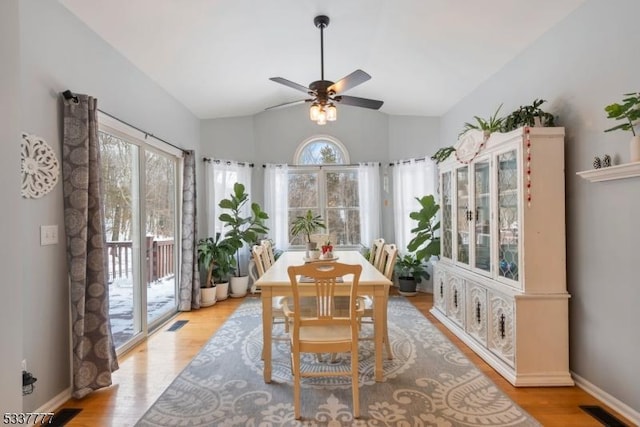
{"x":160,"y":260}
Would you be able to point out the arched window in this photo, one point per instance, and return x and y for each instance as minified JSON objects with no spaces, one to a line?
{"x":321,"y":150}
{"x":325,"y":183}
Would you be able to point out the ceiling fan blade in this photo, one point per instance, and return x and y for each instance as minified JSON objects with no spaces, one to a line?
{"x":350,"y":81}
{"x":290,"y":84}
{"x":287,"y":104}
{"x":359,"y":102}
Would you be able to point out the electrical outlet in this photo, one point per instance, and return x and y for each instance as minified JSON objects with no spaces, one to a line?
{"x":48,"y":235}
{"x":24,"y":365}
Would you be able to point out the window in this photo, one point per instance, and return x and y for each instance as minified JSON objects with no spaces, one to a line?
{"x":329,"y":191}
{"x":321,"y":150}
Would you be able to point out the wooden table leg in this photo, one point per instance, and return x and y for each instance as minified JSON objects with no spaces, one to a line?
{"x":267,"y":306}
{"x":380,"y":307}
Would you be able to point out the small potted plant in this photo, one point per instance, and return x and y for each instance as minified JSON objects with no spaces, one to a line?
{"x":490,"y":125}
{"x":442,"y":154}
{"x":215,"y":256}
{"x":528,"y":115}
{"x":306,"y":226}
{"x":327,"y":250}
{"x":629,"y":111}
{"x":410,"y":271}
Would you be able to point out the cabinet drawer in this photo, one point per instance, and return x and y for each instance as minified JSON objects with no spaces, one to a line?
{"x":476,"y":316}
{"x":501,"y":338}
{"x":439,"y":288}
{"x":454,"y":295}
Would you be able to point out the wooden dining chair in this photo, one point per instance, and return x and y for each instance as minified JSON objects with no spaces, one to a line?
{"x":270,"y":256}
{"x":376,"y":251}
{"x":277,"y":314}
{"x":325,"y":329}
{"x":387,"y":262}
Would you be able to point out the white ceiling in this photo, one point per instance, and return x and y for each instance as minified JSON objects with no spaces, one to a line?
{"x":216,"y":56}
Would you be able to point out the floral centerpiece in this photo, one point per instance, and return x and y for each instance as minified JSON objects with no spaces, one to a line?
{"x":327,"y":250}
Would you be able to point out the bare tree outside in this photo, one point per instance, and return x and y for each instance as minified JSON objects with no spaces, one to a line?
{"x":118,"y":159}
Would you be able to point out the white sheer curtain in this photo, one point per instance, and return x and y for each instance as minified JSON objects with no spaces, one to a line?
{"x":369,"y":198}
{"x":276,"y":196}
{"x":220,"y":177}
{"x":411,"y":179}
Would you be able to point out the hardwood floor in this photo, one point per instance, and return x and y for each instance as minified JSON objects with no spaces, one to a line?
{"x":148,"y":369}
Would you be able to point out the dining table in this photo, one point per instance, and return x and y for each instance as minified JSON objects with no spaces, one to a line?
{"x":275,"y":283}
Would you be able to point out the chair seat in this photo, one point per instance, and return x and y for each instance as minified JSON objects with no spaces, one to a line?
{"x":322,"y":334}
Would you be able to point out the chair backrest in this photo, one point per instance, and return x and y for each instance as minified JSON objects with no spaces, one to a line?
{"x":324,"y":278}
{"x":268,"y":248}
{"x":388,"y":260}
{"x":376,"y":251}
{"x":258,"y":253}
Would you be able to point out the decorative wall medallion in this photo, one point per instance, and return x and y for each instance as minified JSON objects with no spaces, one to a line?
{"x":469,"y":145}
{"x":39,"y":167}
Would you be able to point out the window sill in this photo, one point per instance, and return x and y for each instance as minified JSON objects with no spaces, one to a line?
{"x":627,"y":170}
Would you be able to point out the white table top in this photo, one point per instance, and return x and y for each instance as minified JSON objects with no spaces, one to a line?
{"x":277,"y":274}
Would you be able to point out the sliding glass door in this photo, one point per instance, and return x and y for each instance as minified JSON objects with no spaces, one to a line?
{"x":140,"y":184}
{"x":160,"y":239}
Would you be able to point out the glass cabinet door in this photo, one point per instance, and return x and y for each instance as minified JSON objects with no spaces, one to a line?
{"x":508,"y":236}
{"x":462,"y":214}
{"x":482,"y":216}
{"x":447,"y":220}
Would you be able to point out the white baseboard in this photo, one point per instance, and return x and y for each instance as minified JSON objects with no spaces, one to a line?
{"x":56,"y":402}
{"x":620,"y":407}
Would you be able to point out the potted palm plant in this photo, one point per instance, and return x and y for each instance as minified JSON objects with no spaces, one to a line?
{"x":307,"y":225}
{"x":242,"y":230}
{"x":215,"y":256}
{"x":493,"y":124}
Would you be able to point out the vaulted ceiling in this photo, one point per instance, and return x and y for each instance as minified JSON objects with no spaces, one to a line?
{"x":216,"y":56}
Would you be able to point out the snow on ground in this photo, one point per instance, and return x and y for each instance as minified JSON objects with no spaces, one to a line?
{"x":161,"y":297}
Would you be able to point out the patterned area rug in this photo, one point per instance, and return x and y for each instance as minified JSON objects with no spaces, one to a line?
{"x":429,"y":382}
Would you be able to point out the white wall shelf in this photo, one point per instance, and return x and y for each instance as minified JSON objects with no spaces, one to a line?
{"x":627,"y":170}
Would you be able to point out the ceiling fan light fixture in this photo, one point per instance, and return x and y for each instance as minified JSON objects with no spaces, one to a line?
{"x":325,"y":93}
{"x":332,"y":113}
{"x":322,"y":118}
{"x":314,"y":111}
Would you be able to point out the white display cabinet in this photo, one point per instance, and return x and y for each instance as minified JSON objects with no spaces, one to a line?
{"x":500,"y":284}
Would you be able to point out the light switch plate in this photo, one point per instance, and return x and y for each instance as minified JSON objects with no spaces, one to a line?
{"x":48,"y":235}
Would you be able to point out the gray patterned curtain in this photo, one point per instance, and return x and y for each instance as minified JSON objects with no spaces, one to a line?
{"x":189,"y":294}
{"x":94,"y":355}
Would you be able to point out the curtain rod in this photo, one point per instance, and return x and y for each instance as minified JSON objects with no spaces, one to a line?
{"x":325,"y":165}
{"x":404,"y":162}
{"x":227,"y":162}
{"x":70,"y":95}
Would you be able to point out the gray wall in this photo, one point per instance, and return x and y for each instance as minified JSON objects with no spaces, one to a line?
{"x":58,"y":52}
{"x":588,"y":61}
{"x":273,"y":136}
{"x":11,"y":223}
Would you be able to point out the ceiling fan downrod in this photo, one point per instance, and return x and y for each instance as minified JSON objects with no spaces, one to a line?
{"x":321,"y":21}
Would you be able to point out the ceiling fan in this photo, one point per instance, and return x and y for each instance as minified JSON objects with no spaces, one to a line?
{"x":325,"y":93}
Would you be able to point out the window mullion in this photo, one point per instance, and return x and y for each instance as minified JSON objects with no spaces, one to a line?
{"x":322,"y":195}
